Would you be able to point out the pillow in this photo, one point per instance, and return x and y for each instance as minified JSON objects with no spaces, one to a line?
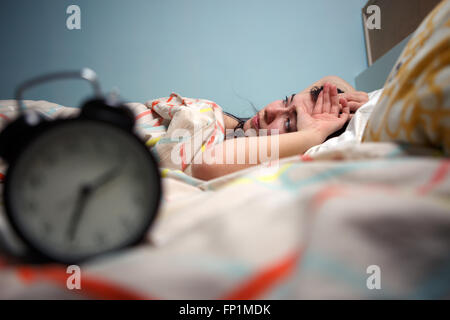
{"x":415,"y":105}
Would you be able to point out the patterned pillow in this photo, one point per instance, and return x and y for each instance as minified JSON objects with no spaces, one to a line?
{"x":415,"y":105}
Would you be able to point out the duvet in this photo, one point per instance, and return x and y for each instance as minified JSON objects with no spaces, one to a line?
{"x":348,"y":219}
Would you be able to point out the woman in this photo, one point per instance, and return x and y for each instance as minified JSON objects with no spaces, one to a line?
{"x":303,"y":120}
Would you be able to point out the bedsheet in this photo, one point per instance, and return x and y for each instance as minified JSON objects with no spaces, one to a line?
{"x":351,"y":221}
{"x":306,"y":227}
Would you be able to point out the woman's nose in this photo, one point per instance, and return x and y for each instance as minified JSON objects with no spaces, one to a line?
{"x":273,"y":113}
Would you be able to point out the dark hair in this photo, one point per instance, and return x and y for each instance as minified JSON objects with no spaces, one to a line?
{"x":315,"y":91}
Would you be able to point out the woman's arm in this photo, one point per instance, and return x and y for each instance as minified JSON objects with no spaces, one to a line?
{"x":240,"y":153}
{"x":244,"y":152}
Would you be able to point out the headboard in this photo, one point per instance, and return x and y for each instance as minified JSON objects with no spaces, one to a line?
{"x":374,"y":77}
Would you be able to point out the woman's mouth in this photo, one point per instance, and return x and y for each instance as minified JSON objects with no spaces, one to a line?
{"x":255,"y":122}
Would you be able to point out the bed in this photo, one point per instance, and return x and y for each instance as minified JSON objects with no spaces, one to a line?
{"x":346,"y":220}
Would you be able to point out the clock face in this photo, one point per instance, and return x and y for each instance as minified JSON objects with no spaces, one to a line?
{"x":81,"y":189}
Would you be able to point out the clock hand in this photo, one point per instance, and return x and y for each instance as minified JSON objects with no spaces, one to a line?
{"x":82,"y":198}
{"x":106,"y":177}
{"x":84,"y":194}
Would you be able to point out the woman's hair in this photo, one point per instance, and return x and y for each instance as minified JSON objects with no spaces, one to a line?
{"x":315,"y":91}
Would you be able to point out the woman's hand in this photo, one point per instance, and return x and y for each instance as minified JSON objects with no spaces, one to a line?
{"x":354,"y":99}
{"x":326,"y":116}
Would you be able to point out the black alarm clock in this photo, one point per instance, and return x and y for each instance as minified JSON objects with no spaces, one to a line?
{"x":78,"y":187}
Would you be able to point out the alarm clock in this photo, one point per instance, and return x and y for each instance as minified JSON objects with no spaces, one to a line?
{"x":78,"y":187}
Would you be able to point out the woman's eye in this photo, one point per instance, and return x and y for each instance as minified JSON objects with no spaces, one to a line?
{"x":288,"y":124}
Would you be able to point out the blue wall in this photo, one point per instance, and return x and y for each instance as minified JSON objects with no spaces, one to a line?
{"x":214,"y":49}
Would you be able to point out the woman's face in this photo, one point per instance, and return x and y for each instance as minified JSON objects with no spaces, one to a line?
{"x":280,"y":116}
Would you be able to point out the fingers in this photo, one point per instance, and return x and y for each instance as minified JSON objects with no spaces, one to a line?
{"x":363,"y":96}
{"x":356,"y":96}
{"x":354,"y":105}
{"x":335,"y":107}
{"x":329,"y":101}
{"x":346,"y":107}
{"x":350,"y":101}
{"x":345,"y":115}
{"x":326,"y":98}
{"x":318,"y":108}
